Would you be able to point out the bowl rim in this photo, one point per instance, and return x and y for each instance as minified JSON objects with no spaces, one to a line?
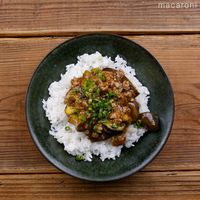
{"x":63,"y":168}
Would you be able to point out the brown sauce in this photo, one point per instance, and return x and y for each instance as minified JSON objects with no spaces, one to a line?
{"x":102,"y":104}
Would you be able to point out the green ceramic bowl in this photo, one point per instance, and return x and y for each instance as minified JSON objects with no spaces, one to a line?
{"x":148,"y":71}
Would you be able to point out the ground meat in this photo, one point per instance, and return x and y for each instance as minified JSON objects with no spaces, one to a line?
{"x":126,"y":85}
{"x":102,"y":104}
{"x":75,"y":82}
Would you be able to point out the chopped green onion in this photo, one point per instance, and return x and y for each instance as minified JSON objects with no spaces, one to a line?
{"x":114,"y":125}
{"x":79,"y":157}
{"x":67,"y":128}
{"x":138,"y":124}
{"x":101,"y":76}
{"x":96,"y":92}
{"x":75,"y":90}
{"x":96,"y":70}
{"x":82,"y":118}
{"x":90,"y":101}
{"x":95,"y":128}
{"x":100,"y":115}
{"x":111,"y":95}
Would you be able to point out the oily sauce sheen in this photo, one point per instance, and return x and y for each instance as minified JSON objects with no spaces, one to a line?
{"x":102,"y":104}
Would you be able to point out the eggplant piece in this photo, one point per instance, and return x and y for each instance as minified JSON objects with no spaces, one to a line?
{"x":134,"y":111}
{"x":108,"y":69}
{"x":113,"y":129}
{"x":69,"y":110}
{"x":149,"y":121}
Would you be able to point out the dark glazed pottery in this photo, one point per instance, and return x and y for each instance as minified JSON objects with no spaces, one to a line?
{"x":148,"y":71}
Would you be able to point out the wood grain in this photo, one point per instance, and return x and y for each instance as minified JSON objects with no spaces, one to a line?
{"x":179,"y":56}
{"x":171,"y":35}
{"x":143,"y":185}
{"x":60,"y":17}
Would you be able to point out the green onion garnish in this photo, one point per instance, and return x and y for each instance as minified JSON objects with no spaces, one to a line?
{"x":138,"y":124}
{"x":67,"y":128}
{"x":114,"y":126}
{"x":79,"y":157}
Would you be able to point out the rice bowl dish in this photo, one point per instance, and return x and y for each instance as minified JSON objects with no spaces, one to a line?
{"x":75,"y":142}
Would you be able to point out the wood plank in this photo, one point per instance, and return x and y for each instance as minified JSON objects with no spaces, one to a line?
{"x":61,"y":17}
{"x":179,"y":56}
{"x":143,"y":185}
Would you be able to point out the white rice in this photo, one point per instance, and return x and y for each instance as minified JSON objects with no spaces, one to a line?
{"x":77,"y":143}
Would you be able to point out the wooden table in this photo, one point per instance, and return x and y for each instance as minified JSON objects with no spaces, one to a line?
{"x":30,"y":29}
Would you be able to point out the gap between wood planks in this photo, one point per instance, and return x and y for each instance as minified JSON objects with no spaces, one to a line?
{"x":170,"y":172}
{"x":74,"y":34}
